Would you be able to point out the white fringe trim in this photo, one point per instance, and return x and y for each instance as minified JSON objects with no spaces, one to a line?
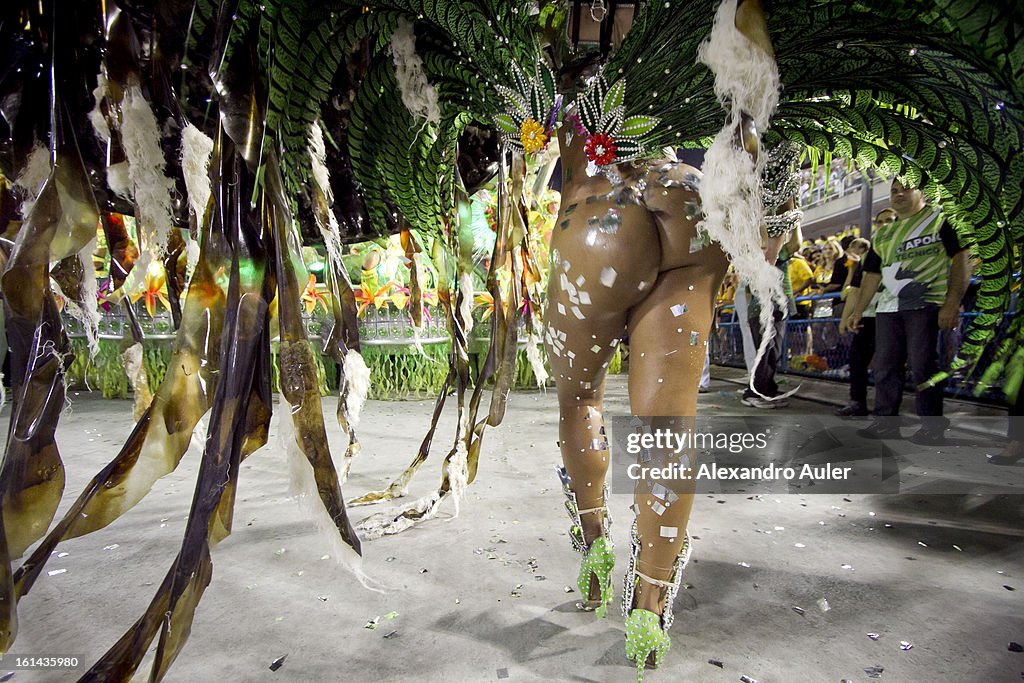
{"x":196,"y":150}
{"x":458,"y":474}
{"x":119,"y":181}
{"x":87,"y":311}
{"x":466,"y":308}
{"x":394,"y":522}
{"x":96,"y":117}
{"x":357,"y":386}
{"x":136,"y":371}
{"x":418,"y":95}
{"x":140,"y":136}
{"x":318,"y":160}
{"x":745,"y":74}
{"x":540,"y":373}
{"x":191,"y":258}
{"x":302,"y":487}
{"x":30,"y":181}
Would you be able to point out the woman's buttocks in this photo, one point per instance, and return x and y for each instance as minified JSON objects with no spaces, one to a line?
{"x":609,"y":250}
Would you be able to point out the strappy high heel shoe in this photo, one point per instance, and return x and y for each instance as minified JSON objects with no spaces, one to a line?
{"x":647,"y":639}
{"x":595,"y":577}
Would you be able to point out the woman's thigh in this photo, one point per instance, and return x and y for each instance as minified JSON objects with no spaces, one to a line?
{"x":668,"y":336}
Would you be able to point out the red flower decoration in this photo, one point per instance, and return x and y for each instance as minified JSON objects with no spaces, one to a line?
{"x":601,"y":149}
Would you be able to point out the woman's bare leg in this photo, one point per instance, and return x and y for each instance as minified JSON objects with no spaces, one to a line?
{"x":602,"y":265}
{"x":668,"y":334}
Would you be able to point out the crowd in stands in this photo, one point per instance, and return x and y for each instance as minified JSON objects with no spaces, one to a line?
{"x":892,"y":304}
{"x":827,"y":181}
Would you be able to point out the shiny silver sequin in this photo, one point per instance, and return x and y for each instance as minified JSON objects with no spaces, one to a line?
{"x":699,"y":241}
{"x":608,"y":276}
{"x":679,"y":309}
{"x":611,"y":221}
{"x":694,"y":338}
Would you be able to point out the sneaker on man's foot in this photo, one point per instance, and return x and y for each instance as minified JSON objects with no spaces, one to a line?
{"x":765,"y":403}
{"x":887,"y":428}
{"x":853,"y":409}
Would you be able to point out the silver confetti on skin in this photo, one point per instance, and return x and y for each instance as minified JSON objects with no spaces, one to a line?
{"x":694,"y":338}
{"x":669,"y":532}
{"x":608,"y":276}
{"x":678,"y":310}
{"x":699,"y":241}
{"x":611,"y":221}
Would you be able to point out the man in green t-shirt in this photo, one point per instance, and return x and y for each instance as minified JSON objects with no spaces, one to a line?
{"x":921,"y":270}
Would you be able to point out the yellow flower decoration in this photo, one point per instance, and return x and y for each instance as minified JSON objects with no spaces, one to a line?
{"x":531,"y":133}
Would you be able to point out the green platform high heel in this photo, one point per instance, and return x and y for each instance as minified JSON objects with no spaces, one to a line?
{"x":647,"y":639}
{"x":595,"y":577}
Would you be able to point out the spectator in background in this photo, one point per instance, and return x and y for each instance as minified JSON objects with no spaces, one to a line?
{"x":801,"y":276}
{"x":812,"y":254}
{"x":842,"y":266}
{"x":924,"y":270}
{"x":831,"y":252}
{"x":862,"y":346}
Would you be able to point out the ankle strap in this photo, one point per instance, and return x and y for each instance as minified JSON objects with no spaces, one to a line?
{"x":589,"y":510}
{"x":656,"y":582}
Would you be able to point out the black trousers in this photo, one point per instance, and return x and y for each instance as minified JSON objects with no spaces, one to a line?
{"x":862,"y":350}
{"x":764,"y":373}
{"x":907,"y":337}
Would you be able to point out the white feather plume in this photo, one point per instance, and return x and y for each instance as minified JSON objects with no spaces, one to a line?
{"x":418,"y":95}
{"x":30,"y":181}
{"x":96,"y":117}
{"x":151,"y":189}
{"x":196,"y":150}
{"x":746,"y":81}
{"x":357,"y":386}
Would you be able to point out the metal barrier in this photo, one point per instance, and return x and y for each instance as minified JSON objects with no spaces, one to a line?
{"x":813,"y":347}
